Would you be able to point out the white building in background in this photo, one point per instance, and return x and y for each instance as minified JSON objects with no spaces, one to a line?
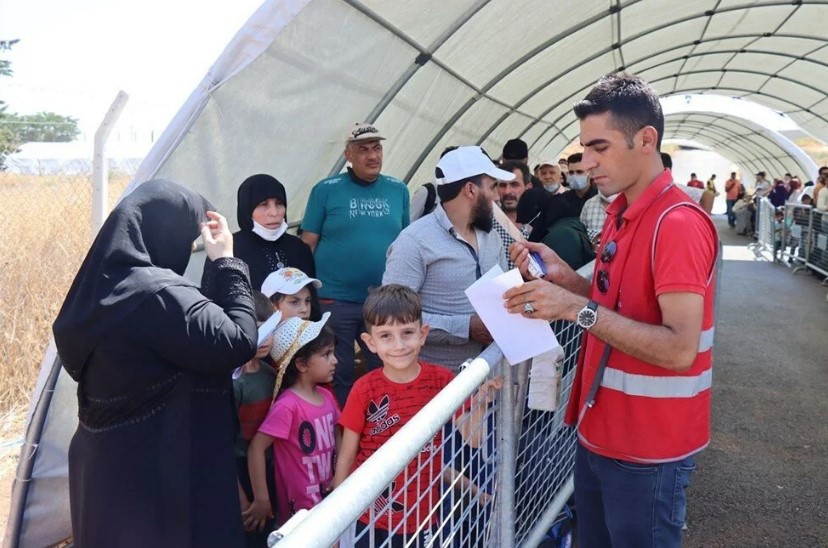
{"x":73,"y":158}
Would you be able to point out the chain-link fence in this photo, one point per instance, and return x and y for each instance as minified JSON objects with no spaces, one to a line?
{"x":477,"y":467}
{"x":46,"y":208}
{"x":804,"y":238}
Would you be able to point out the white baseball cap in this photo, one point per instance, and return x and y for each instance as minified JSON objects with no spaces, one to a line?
{"x":287,"y":281}
{"x":469,"y":161}
{"x":363,"y":132}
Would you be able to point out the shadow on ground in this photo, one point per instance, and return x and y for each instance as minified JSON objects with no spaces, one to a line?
{"x":763,"y":480}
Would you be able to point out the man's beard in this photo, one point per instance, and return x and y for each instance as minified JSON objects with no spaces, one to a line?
{"x":482,"y":215}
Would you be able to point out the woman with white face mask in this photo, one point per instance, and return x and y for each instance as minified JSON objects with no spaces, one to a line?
{"x":262,"y":240}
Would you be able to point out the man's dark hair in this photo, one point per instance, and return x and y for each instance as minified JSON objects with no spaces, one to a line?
{"x":667,"y":160}
{"x":692,"y":175}
{"x":392,"y":303}
{"x":787,"y":175}
{"x":448,"y":149}
{"x":823,"y":168}
{"x":574,"y":158}
{"x":515,"y":149}
{"x":514,"y":165}
{"x":631,"y":101}
{"x":449,"y":191}
{"x":733,"y":174}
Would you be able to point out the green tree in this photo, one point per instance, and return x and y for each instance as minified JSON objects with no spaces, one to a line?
{"x":7,"y":142}
{"x":43,"y":127}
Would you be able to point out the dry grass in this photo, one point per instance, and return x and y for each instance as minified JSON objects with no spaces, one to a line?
{"x":46,"y":232}
{"x":46,"y":222}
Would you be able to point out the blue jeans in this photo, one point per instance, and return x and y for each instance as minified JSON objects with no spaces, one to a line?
{"x":347,"y":323}
{"x":731,"y":217}
{"x":620,"y":503}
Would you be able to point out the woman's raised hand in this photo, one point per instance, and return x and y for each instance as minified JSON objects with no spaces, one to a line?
{"x":218,"y":241}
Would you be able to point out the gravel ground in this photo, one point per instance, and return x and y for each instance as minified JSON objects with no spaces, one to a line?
{"x":763,"y":480}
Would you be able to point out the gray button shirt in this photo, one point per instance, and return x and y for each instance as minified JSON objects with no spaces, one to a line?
{"x":430,"y":257}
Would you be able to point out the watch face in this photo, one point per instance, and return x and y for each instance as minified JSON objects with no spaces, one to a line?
{"x":587,"y":318}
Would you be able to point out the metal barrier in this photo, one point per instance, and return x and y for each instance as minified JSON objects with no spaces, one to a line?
{"x":765,"y":236}
{"x":818,"y":242}
{"x":796,"y":235}
{"x":435,"y":482}
{"x":805,"y":238}
{"x":467,"y":470}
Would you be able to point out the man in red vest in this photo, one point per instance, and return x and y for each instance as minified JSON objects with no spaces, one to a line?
{"x":641,"y":396}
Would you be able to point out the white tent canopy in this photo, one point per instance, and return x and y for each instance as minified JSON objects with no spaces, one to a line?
{"x":741,"y":141}
{"x":432,"y":74}
{"x":435,"y":73}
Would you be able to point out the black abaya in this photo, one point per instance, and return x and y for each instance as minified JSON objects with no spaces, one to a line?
{"x":151,"y":463}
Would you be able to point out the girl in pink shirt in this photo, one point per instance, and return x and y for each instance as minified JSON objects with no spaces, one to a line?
{"x":301,"y":423}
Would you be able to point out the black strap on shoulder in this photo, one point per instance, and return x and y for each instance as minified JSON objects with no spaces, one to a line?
{"x":431,"y":198}
{"x":599,"y":376}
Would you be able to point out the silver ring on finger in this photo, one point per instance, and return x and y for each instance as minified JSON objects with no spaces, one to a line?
{"x":528,"y":308}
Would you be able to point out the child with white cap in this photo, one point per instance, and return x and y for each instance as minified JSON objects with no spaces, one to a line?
{"x":288,"y":289}
{"x":300,"y":426}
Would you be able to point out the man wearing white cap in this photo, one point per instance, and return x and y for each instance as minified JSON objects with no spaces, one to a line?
{"x":350,"y":220}
{"x":442,"y":254}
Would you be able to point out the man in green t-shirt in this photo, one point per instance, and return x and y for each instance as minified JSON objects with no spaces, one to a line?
{"x":350,"y":221}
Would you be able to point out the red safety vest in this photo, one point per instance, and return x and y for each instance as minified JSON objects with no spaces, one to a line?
{"x":641,"y":412}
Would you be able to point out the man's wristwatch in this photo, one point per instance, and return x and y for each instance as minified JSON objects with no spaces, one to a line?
{"x":588,"y":315}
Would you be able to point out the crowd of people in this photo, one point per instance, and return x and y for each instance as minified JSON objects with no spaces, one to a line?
{"x":742,"y":202}
{"x":373,"y":322}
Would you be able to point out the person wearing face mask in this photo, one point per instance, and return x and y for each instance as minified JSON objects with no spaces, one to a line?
{"x":551,"y":177}
{"x":262,"y":240}
{"x":580,"y":185}
{"x":594,"y":214}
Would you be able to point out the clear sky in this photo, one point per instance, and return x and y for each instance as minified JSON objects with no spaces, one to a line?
{"x":74,"y":56}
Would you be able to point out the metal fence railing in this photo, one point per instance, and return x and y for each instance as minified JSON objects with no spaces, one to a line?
{"x":469,"y":469}
{"x":805,"y":238}
{"x":434,"y":483}
{"x":765,"y":234}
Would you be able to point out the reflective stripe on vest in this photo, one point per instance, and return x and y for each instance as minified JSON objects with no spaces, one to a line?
{"x":706,"y":339}
{"x":656,"y":387}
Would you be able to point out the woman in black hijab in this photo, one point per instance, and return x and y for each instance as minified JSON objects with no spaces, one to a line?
{"x":151,"y":462}
{"x":262,"y":241}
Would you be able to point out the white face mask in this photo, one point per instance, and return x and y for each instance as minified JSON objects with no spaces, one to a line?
{"x":609,"y":199}
{"x":271,"y":235}
{"x":577,"y":182}
{"x":552,"y":187}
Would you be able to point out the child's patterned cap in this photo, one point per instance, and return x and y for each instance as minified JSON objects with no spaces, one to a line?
{"x":287,"y":281}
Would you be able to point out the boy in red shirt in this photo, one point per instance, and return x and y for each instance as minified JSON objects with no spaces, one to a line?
{"x":381,"y":402}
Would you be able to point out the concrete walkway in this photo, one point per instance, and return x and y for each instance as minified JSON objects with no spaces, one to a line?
{"x":764,"y":479}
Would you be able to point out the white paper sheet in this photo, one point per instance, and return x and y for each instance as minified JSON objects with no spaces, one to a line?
{"x":822,"y":242}
{"x":518,"y":337}
{"x":268,"y":327}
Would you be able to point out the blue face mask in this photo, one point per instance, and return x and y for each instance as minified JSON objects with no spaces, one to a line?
{"x":577,"y":182}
